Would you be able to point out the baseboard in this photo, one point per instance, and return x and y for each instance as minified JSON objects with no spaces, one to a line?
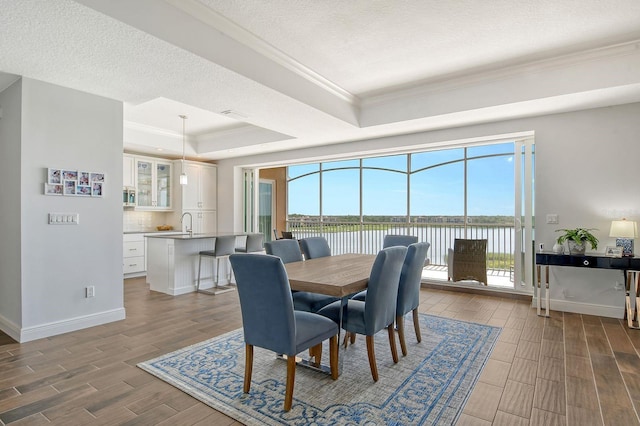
{"x":584,"y":308}
{"x":556,"y":305}
{"x":507,"y":294}
{"x":10,"y":328}
{"x":181,"y":290}
{"x":28,"y":334}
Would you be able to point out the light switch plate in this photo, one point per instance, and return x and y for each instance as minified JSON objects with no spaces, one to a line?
{"x":552,"y":219}
{"x":64,"y":218}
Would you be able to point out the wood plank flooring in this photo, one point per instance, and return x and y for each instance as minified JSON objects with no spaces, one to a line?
{"x":565,"y":370}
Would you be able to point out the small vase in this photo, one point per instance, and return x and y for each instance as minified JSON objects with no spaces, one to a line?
{"x":575,"y":248}
{"x":558,"y":248}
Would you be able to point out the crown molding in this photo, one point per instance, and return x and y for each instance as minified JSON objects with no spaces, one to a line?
{"x":131,"y":125}
{"x":220,"y":23}
{"x":471,"y":77}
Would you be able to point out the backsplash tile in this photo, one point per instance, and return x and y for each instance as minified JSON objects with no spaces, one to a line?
{"x":142,"y":221}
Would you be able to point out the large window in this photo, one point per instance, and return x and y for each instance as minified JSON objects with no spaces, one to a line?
{"x":384,"y":187}
{"x":440,"y":195}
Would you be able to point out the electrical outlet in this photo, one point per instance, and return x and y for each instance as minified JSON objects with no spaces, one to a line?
{"x":90,"y":291}
{"x":552,"y":219}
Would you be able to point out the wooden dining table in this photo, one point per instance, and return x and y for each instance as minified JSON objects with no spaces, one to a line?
{"x":339,"y":276}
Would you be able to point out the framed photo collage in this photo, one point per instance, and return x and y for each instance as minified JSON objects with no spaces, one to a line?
{"x":75,"y":183}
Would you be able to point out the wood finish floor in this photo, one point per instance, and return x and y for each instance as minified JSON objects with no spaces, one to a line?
{"x":566,"y":370}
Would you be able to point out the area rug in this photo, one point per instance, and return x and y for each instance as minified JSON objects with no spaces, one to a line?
{"x":427,"y":387}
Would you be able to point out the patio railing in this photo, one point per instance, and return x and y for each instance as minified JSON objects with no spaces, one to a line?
{"x":367,"y":238}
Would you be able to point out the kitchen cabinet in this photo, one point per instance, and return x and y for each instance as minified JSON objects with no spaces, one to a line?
{"x":133,"y":254}
{"x":198,"y":197}
{"x":204,"y":221}
{"x":153,"y":184}
{"x":128,"y":171}
{"x":200,"y":192}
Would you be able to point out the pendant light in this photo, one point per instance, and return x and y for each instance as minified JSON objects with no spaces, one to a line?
{"x":183,"y":175}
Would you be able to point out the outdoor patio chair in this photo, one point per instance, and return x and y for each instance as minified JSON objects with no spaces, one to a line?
{"x":468,"y":260}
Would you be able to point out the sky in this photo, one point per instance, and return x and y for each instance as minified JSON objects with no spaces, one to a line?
{"x":437,"y":184}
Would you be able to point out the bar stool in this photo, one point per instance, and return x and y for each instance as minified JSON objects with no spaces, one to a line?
{"x":254,"y":243}
{"x":224,"y":247}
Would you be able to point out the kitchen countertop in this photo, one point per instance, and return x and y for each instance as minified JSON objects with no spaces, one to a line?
{"x":197,"y":236}
{"x":151,"y":231}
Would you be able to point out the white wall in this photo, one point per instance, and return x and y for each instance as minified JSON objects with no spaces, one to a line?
{"x":64,"y":128}
{"x":10,"y":306}
{"x":586,"y":172}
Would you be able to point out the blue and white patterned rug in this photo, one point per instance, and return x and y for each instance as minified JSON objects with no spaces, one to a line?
{"x":427,"y":387}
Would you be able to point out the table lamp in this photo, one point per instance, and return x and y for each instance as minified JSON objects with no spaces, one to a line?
{"x":624,"y":232}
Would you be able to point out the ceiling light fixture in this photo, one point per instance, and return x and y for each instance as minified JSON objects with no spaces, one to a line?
{"x":183,"y":175}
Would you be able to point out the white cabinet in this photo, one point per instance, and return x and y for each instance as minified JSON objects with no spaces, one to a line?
{"x":128,"y":171}
{"x":198,"y":197}
{"x":204,"y":221}
{"x":200,"y":191}
{"x":133,"y":254}
{"x":153,"y":183}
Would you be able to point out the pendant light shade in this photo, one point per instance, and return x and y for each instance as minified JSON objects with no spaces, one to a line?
{"x":183,"y":175}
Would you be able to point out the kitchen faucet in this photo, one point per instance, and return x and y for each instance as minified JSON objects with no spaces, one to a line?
{"x":190,"y":227}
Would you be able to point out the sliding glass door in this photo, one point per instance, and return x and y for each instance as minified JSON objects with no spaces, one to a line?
{"x":266,"y":208}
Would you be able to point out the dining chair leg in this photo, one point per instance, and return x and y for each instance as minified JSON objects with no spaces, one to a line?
{"x":400,"y":327}
{"x":392,"y":343}
{"x":248,"y":366}
{"x":372,"y":358}
{"x":317,"y":354}
{"x":353,"y":338}
{"x":333,"y":356}
{"x":291,"y":377}
{"x":416,"y":325}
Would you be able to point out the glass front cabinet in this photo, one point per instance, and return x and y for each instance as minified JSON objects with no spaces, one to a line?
{"x":153,"y":182}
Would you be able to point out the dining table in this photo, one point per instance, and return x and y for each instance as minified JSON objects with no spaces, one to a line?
{"x":340,"y":276}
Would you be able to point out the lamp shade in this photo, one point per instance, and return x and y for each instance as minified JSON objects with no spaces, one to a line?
{"x":623,"y":229}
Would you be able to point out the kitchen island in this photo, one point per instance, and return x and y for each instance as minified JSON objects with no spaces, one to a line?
{"x":172,"y":262}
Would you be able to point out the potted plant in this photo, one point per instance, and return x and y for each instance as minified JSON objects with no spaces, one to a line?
{"x":577,"y":238}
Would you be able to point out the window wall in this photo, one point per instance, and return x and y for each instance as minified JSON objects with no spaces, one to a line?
{"x":440,"y":195}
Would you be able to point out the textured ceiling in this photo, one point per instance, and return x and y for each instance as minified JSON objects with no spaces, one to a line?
{"x":321,"y":72}
{"x":369,"y":46}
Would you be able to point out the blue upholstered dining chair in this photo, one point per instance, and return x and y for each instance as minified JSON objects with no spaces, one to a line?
{"x":287,"y":250}
{"x":398,"y":240}
{"x":408,"y":290}
{"x":379,"y":309}
{"x":270,"y":322}
{"x":314,"y":247}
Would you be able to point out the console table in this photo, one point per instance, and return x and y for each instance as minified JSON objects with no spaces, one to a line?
{"x":630,"y":267}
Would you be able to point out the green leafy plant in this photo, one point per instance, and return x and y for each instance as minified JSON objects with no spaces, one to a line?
{"x":579,"y":236}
